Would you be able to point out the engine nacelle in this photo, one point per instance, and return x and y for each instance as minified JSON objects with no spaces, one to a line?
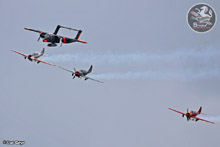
{"x":42,"y":35}
{"x":51,"y":38}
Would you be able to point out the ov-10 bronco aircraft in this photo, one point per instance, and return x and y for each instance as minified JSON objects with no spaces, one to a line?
{"x":34,"y":57}
{"x":81,"y":73}
{"x":192,"y":115}
{"x":54,"y":38}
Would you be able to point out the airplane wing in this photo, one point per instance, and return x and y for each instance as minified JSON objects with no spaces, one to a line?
{"x":33,"y":30}
{"x":44,"y":62}
{"x":92,"y":79}
{"x":66,"y":69}
{"x":34,"y":58}
{"x":203,"y":120}
{"x":19,"y":53}
{"x":177,"y":111}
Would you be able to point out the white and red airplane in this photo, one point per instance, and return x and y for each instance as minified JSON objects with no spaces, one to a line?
{"x":81,"y":73}
{"x":34,"y":57}
{"x":192,"y":115}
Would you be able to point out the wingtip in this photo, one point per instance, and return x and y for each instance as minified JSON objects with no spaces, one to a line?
{"x":100,"y":82}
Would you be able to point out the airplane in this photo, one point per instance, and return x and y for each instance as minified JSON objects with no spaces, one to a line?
{"x":34,"y":57}
{"x":192,"y":115}
{"x":54,"y":38}
{"x":81,"y":73}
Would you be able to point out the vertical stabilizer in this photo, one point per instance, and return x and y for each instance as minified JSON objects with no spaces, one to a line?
{"x":78,"y":34}
{"x":42,"y":52}
{"x":57,"y":29}
{"x":90,"y":69}
{"x":200,"y":110}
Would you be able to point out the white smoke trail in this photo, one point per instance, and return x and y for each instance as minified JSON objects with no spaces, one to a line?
{"x":186,"y":64}
{"x":174,"y":59}
{"x":211,"y":118}
{"x":157,"y":75}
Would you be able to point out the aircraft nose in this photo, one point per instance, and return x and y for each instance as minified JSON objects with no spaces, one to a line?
{"x":77,"y":73}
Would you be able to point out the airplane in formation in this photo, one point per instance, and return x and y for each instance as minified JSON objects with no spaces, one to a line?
{"x":34,"y":57}
{"x":81,"y":73}
{"x":192,"y":115}
{"x":53,"y":39}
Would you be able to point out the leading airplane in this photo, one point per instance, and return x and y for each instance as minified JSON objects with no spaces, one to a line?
{"x":53,"y":39}
{"x":192,"y":115}
{"x":34,"y":57}
{"x":81,"y":73}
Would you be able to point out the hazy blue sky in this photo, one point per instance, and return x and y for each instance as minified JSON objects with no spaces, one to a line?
{"x":145,"y":53}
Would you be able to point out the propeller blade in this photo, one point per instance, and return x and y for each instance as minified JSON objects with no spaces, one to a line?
{"x":38,"y":38}
{"x":61,"y":44}
{"x":74,"y":69}
{"x":187,"y":110}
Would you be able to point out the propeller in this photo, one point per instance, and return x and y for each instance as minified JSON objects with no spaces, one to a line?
{"x":73,"y":74}
{"x":187,"y":114}
{"x":61,"y":44}
{"x":187,"y":118}
{"x":38,"y":38}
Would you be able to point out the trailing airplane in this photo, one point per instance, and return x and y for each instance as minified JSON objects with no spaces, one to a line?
{"x":192,"y":115}
{"x":81,"y":73}
{"x":34,"y":57}
{"x":54,"y":38}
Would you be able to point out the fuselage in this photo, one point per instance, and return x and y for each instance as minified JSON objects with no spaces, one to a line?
{"x":50,"y":38}
{"x":191,"y":114}
{"x":80,"y":73}
{"x":34,"y":56}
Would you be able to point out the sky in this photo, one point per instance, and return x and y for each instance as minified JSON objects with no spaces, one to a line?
{"x":144,"y":51}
